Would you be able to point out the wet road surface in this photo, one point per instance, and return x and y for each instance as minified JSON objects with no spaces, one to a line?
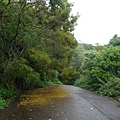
{"x":79,"y":105}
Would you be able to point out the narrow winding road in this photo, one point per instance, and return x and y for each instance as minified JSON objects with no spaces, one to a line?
{"x":79,"y":105}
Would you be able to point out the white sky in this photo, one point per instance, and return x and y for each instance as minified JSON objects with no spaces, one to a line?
{"x":99,"y":20}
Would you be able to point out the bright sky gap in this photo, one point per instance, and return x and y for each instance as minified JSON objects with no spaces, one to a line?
{"x":99,"y":20}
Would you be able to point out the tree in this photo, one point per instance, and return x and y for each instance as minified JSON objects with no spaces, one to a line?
{"x":115,"y":41}
{"x":104,"y":65}
{"x":36,"y":44}
{"x":56,"y":38}
{"x":78,"y":58}
{"x":60,"y":3}
{"x":16,"y":32}
{"x":45,"y":28}
{"x":107,"y":61}
{"x":88,"y":46}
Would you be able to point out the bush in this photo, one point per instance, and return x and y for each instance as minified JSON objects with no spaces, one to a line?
{"x":25,"y":77}
{"x":69,"y":75}
{"x":55,"y":81}
{"x":40,"y":84}
{"x":105,"y":65}
{"x":8,"y":92}
{"x":111,"y":88}
{"x":83,"y":82}
{"x":2,"y":103}
{"x":38,"y":60}
{"x":31,"y":79}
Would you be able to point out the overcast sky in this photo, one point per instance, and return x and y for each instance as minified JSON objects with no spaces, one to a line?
{"x":99,"y":20}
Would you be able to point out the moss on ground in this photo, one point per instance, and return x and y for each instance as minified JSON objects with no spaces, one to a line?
{"x":43,"y":96}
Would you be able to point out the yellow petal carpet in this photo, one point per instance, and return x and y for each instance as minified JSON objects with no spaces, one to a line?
{"x":43,"y":96}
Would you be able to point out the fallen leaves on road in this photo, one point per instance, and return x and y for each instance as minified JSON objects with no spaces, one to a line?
{"x":43,"y":96}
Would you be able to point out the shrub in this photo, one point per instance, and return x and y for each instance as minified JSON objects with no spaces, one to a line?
{"x":40,"y":84}
{"x":69,"y":75}
{"x":83,"y":82}
{"x":8,"y":92}
{"x":2,"y":103}
{"x":111,"y":88}
{"x":105,"y":65}
{"x":55,"y":81}
{"x":24,"y":76}
{"x":31,"y":79}
{"x":51,"y":79}
{"x":38,"y":60}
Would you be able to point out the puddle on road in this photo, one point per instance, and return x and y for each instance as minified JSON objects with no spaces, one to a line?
{"x":43,"y":96}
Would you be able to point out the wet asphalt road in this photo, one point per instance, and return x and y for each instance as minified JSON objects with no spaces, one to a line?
{"x":80,"y":105}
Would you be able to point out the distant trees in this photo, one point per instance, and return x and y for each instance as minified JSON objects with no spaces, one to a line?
{"x":78,"y":58}
{"x":115,"y":41}
{"x":88,"y":46}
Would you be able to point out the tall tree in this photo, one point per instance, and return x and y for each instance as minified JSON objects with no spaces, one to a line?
{"x":56,"y":37}
{"x":16,"y":31}
{"x":46,"y":28}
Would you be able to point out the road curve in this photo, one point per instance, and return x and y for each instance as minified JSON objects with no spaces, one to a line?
{"x":80,"y":105}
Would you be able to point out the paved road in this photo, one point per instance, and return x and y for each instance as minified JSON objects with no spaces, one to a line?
{"x":80,"y":105}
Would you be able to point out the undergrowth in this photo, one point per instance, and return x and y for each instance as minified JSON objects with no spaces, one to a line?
{"x":6,"y":92}
{"x":111,"y":88}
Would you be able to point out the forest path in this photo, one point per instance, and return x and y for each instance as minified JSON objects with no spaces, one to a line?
{"x":71,"y":103}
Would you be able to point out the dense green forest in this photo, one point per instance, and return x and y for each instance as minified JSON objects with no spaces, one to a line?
{"x":37,"y":47}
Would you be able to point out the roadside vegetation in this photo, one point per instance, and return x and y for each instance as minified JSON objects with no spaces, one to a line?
{"x":36,"y":45}
{"x":37,"y":48}
{"x":100,"y":68}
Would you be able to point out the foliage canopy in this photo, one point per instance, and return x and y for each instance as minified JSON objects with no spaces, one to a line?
{"x":36,"y":43}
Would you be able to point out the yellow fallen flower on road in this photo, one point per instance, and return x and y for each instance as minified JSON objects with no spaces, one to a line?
{"x":43,"y":96}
